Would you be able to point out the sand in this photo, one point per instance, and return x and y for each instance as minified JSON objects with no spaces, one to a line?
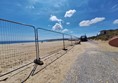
{"x":51,"y":47}
{"x":106,"y":47}
{"x":56,"y":71}
{"x":16,"y":55}
{"x":13,"y":56}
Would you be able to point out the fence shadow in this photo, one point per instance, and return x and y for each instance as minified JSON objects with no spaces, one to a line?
{"x":52,"y":61}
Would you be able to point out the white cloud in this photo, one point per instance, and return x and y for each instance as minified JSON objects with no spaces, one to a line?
{"x":97,"y":19}
{"x":68,"y":23}
{"x":69,"y":13}
{"x":115,"y":21}
{"x":54,"y":18}
{"x":57,"y":26}
{"x":85,"y":23}
{"x":92,"y":21}
{"x":65,"y":30}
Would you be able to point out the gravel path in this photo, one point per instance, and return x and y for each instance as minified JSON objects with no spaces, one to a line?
{"x":94,"y":66}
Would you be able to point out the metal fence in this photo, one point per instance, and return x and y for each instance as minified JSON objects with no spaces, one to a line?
{"x":17,"y":45}
{"x":20,"y":44}
{"x":52,"y":41}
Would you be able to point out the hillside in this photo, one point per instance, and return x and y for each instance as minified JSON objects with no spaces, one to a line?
{"x":105,"y":35}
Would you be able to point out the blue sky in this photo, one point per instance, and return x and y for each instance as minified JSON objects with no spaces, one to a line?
{"x":77,"y":17}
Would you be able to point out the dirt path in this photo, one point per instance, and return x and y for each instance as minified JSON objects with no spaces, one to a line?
{"x":94,"y":66}
{"x":57,"y":71}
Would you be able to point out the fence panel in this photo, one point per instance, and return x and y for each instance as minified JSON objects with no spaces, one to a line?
{"x":49,"y":42}
{"x":67,"y":40}
{"x":17,"y":45}
{"x":20,"y":44}
{"x":75,"y":40}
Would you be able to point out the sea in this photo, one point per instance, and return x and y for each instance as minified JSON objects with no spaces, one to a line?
{"x":24,"y":41}
{"x":14,"y":42}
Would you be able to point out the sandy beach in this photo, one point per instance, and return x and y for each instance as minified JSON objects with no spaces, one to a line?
{"x":13,"y":56}
{"x":57,"y":64}
{"x":47,"y":48}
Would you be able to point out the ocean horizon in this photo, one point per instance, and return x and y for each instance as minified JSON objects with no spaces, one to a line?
{"x":27,"y":41}
{"x":13,"y":42}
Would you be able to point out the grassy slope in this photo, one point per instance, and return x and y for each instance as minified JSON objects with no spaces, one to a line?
{"x":109,"y":34}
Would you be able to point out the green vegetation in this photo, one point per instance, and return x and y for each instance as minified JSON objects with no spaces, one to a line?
{"x":105,"y":35}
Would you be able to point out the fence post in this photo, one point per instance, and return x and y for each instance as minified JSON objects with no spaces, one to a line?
{"x":37,"y":60}
{"x":63,"y":43}
{"x":71,"y":41}
{"x":37,"y":44}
